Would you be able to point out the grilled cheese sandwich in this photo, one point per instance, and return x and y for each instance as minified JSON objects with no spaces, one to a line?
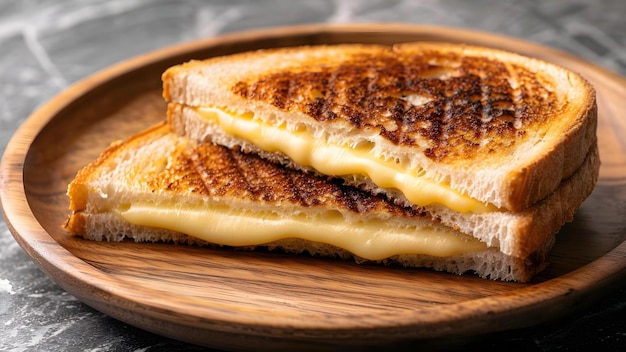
{"x":450,"y":157}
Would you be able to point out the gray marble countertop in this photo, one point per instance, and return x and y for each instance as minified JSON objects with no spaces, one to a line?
{"x":47,"y":45}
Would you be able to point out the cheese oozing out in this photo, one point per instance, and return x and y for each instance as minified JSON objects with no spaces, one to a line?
{"x":339,"y":160}
{"x":372,"y":239}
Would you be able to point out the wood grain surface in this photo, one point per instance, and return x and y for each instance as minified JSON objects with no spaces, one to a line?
{"x":242,"y":300}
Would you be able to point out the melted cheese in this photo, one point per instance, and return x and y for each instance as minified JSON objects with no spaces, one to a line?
{"x":372,"y":240}
{"x":338,"y":160}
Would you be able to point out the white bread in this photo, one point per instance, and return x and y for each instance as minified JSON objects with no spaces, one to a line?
{"x":128,"y":172}
{"x":539,"y":119}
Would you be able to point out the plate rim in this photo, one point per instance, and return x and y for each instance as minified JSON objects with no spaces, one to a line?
{"x":32,"y":237}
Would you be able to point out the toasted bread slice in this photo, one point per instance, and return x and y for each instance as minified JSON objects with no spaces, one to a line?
{"x":157,"y":186}
{"x":502,"y":129}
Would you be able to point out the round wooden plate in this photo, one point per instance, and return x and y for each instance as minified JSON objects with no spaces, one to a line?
{"x":240,"y":300}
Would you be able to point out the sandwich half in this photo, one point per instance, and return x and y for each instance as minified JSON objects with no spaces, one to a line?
{"x":497,"y":146}
{"x":158,"y":186}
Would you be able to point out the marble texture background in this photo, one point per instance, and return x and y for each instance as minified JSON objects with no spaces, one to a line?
{"x":46,"y":45}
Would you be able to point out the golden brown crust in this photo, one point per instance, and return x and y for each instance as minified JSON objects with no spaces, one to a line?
{"x":452,"y":110}
{"x":547,"y":217}
{"x":78,"y":189}
{"x":531,"y":182}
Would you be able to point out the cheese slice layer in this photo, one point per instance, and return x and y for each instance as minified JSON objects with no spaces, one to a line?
{"x":339,"y":160}
{"x":373,"y":240}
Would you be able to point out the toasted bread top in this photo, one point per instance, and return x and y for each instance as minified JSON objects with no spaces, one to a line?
{"x":460,"y":106}
{"x":502,"y":128}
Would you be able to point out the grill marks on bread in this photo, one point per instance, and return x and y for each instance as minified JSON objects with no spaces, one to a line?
{"x":216,"y":171}
{"x":449,"y":105}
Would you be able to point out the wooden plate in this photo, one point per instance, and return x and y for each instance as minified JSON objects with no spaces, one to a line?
{"x":239,"y":300}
